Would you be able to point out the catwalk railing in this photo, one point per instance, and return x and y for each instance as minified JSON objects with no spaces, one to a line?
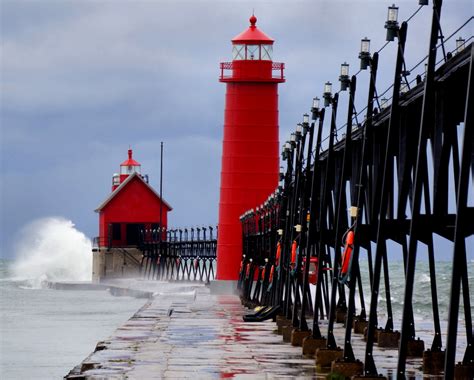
{"x":401,"y":176}
{"x":187,"y":254}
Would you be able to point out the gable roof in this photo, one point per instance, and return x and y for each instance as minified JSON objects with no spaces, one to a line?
{"x":124,"y":184}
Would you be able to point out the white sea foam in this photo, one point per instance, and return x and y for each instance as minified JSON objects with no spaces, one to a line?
{"x":52,"y":249}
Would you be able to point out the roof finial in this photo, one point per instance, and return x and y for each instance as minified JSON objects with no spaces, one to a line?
{"x":129,"y":152}
{"x":253,"y":19}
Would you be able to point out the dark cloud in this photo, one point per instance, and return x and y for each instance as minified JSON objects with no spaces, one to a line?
{"x":83,"y":80}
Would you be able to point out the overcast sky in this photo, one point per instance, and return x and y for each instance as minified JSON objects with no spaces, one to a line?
{"x":81,"y":81}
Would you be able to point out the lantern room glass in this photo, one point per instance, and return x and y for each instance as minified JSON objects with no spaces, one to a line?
{"x":130,"y":169}
{"x":266,"y":52}
{"x":253,"y":52}
{"x":238,"y":52}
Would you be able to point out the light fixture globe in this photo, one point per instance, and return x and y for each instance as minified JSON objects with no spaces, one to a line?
{"x":364,"y":54}
{"x":460,"y":43}
{"x":403,"y":88}
{"x":293,"y":138}
{"x":315,"y":108}
{"x":315,"y":105}
{"x":392,"y":22}
{"x":344,"y":77}
{"x":305,"y":124}
{"x":298,"y":131}
{"x":327,"y":94}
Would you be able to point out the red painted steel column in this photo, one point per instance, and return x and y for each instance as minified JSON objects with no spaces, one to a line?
{"x":250,"y":157}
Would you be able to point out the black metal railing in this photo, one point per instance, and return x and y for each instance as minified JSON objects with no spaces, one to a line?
{"x":181,"y":254}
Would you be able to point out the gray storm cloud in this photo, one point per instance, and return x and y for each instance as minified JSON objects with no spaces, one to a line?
{"x":81,"y":81}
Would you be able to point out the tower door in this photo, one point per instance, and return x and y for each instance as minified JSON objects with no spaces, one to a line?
{"x":133,"y":233}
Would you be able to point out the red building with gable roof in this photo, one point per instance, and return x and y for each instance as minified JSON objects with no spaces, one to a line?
{"x":133,"y":204}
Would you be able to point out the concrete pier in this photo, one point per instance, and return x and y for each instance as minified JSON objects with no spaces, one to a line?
{"x":184,"y":331}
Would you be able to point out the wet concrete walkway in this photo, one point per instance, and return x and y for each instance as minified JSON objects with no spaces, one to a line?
{"x":185,"y":332}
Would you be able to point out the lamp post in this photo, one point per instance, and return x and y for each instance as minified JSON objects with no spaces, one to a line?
{"x":364,"y":54}
{"x":344,"y":77}
{"x":327,"y":94}
{"x":392,"y":22}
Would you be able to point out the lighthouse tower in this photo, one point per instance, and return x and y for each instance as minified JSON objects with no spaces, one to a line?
{"x":250,"y":160}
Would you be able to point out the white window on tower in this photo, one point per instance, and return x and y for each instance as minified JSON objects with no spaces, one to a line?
{"x":267,"y":52}
{"x":253,"y":52}
{"x":238,"y":52}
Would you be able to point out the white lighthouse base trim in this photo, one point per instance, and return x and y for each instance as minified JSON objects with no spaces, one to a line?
{"x":223,"y":287}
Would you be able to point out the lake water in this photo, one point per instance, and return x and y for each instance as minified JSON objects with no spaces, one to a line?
{"x":45,"y":333}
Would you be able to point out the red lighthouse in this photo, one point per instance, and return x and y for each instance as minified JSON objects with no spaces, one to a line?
{"x":250,"y":160}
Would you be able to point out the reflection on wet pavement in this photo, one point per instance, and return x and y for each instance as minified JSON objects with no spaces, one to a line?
{"x":199,"y":335}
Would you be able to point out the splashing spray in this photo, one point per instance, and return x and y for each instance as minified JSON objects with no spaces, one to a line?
{"x":52,"y":249}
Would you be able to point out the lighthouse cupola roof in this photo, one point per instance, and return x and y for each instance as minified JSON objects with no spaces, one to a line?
{"x":130,"y":166}
{"x":252,"y":35}
{"x":252,"y":58}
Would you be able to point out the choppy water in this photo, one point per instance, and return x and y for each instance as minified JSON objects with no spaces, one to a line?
{"x":422,"y":305}
{"x":422,"y":301}
{"x":45,"y":332}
